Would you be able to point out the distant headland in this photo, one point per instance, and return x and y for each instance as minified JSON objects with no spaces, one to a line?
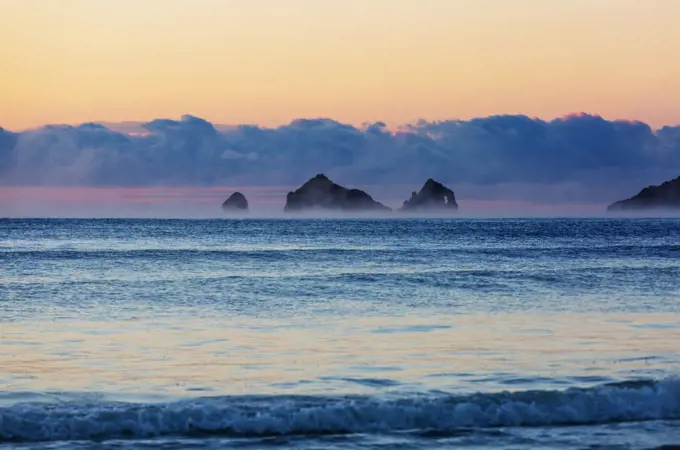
{"x":663,"y":196}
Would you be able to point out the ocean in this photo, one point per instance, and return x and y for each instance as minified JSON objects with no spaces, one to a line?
{"x":340,"y":333}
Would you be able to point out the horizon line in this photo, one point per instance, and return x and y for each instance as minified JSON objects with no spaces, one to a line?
{"x":392,"y":126}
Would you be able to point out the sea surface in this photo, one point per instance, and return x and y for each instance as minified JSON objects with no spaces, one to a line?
{"x":340,"y":334}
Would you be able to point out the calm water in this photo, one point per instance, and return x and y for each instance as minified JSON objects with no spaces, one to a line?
{"x":339,"y":333}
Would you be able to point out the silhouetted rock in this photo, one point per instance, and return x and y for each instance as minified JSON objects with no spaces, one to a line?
{"x":235,"y":203}
{"x":664,"y":196}
{"x":321,"y":193}
{"x":433,"y":196}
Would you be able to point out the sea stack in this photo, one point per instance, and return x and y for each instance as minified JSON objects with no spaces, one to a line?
{"x":320,"y":193}
{"x":433,"y":196}
{"x":663,"y":196}
{"x":235,"y":203}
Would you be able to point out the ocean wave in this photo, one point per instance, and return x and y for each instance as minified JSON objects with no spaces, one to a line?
{"x":259,"y":416}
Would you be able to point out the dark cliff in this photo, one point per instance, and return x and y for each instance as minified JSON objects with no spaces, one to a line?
{"x":663,"y":196}
{"x":433,"y":196}
{"x":235,"y":203}
{"x":321,"y":193}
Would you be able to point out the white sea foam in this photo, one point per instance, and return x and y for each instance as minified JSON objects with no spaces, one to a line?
{"x":291,"y":415}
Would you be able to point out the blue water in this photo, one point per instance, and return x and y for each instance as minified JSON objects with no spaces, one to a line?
{"x":339,"y":333}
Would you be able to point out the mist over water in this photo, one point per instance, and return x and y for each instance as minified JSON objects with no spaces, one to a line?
{"x":264,"y":202}
{"x":467,"y":210}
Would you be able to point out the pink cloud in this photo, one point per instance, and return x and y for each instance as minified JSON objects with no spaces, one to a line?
{"x":577,"y":115}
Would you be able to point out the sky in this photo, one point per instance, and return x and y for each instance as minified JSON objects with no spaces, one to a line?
{"x":268,"y":62}
{"x":560,"y":104}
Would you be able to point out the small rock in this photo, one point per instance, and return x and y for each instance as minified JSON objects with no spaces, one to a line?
{"x":235,"y":203}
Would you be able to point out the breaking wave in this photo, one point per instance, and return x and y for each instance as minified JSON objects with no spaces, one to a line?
{"x":258,"y":416}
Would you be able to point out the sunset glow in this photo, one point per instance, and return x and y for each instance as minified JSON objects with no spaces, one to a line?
{"x":268,"y":62}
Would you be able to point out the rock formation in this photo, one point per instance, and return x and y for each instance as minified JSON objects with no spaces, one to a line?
{"x":433,"y":196}
{"x":664,"y":196}
{"x":321,"y":193}
{"x":235,"y":203}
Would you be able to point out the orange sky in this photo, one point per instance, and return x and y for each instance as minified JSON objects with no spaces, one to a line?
{"x":269,"y":61}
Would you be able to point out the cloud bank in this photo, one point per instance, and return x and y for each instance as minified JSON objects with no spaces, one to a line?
{"x":576,"y":158}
